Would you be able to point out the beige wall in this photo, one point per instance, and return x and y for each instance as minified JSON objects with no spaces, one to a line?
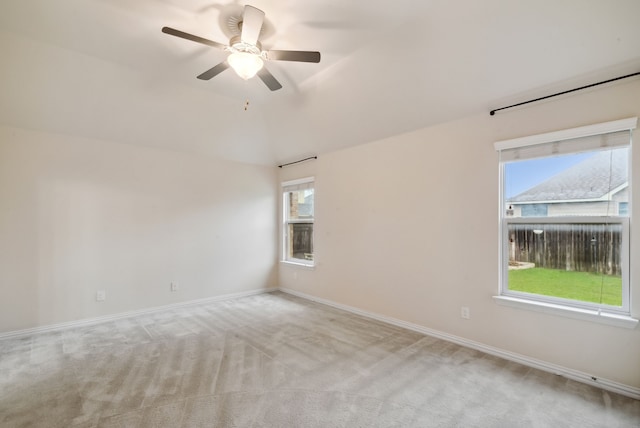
{"x":78,"y":215}
{"x":407,"y":228}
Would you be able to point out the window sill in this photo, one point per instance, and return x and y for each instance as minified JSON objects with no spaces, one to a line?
{"x":299,"y":264}
{"x":569,"y":312}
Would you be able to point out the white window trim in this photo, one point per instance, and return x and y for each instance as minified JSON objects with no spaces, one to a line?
{"x":292,"y":184}
{"x":592,"y":315}
{"x":588,"y":312}
{"x":299,"y":263}
{"x":568,"y":134}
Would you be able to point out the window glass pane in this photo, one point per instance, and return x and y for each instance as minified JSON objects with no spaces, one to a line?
{"x":301,"y":241}
{"x":623,"y":209}
{"x":572,"y":261}
{"x":298,"y":224}
{"x":300,"y":204}
{"x":593,"y":184}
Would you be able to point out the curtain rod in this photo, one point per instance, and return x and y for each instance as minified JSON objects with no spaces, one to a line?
{"x":492,"y":112}
{"x":298,"y":161}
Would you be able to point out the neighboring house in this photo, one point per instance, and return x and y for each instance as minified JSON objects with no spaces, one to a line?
{"x":596,"y":186}
{"x":305,"y":207}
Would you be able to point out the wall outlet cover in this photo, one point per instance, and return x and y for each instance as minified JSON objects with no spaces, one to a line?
{"x":465,"y":312}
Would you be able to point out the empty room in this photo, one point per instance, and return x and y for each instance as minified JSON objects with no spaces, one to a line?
{"x":319,"y":213}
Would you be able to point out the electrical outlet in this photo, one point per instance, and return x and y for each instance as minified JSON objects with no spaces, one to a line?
{"x":465,"y":312}
{"x":101,"y":296}
{"x":175,"y":286}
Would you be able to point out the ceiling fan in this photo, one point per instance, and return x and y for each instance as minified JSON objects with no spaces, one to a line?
{"x":246,"y":54}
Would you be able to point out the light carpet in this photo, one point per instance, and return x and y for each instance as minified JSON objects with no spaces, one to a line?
{"x":274,"y":360}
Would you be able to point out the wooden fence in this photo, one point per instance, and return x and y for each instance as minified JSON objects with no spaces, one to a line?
{"x":575,"y":247}
{"x":302,"y":240}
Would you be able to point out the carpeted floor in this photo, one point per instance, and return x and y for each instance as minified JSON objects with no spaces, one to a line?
{"x":274,"y":360}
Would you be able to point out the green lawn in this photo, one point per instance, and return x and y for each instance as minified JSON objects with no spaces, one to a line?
{"x":582,"y":286}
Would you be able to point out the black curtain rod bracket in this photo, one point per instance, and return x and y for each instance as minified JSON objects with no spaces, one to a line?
{"x":298,"y":161}
{"x":493,"y":112}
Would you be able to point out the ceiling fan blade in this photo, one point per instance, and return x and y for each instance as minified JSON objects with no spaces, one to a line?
{"x":301,"y":56}
{"x":197,"y":39}
{"x":212,"y":72}
{"x":252,"y":20}
{"x":268,"y":79}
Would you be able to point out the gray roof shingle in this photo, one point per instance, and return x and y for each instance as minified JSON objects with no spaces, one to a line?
{"x":589,"y":179}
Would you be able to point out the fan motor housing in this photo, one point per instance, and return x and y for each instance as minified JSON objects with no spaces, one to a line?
{"x":236,"y":44}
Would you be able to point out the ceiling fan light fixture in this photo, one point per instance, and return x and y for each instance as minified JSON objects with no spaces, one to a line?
{"x":246,"y":56}
{"x":245,"y":64}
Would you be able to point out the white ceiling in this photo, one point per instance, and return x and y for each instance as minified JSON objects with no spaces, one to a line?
{"x":103,"y":68}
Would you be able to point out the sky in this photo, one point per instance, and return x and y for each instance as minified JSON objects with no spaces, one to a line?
{"x":523,"y":175}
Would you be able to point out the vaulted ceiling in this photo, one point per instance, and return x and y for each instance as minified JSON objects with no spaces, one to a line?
{"x":103,"y":69}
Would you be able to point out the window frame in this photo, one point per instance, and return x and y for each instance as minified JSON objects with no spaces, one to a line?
{"x":286,"y":188}
{"x":573,"y":308}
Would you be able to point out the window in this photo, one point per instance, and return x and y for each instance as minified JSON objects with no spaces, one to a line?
{"x":623,"y":208}
{"x":534,"y":210}
{"x":564,"y":218}
{"x":298,"y":209}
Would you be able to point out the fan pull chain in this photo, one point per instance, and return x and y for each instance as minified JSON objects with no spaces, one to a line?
{"x":245,"y":88}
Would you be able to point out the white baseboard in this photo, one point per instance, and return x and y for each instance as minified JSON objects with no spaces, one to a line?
{"x":576,"y":375}
{"x":129,"y":314}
